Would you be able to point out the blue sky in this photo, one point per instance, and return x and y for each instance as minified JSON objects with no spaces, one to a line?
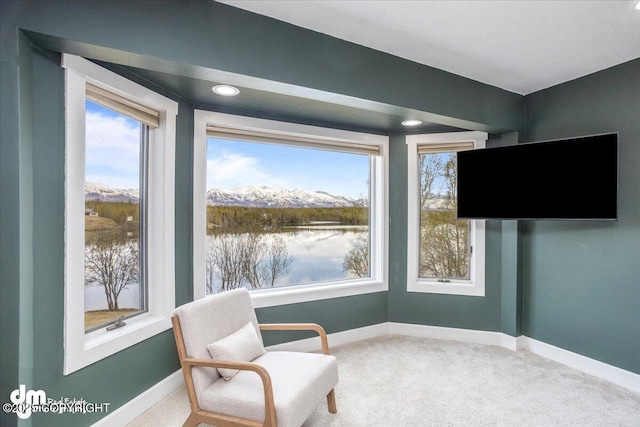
{"x":112,"y":148}
{"x":232,"y":164}
{"x":112,"y":158}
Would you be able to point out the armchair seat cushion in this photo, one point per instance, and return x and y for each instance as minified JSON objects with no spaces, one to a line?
{"x":300,"y":381}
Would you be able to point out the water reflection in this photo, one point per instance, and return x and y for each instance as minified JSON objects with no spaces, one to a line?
{"x":318,"y":254}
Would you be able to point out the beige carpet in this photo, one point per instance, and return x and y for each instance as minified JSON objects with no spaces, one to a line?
{"x":403,"y":381}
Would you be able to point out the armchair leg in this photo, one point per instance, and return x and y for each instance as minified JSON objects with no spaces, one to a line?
{"x":192,"y":421}
{"x":331,"y":402}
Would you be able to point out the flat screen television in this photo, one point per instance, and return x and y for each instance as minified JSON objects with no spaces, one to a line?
{"x":565,"y":179}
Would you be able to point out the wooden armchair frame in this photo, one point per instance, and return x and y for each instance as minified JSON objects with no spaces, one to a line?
{"x":199,"y":415}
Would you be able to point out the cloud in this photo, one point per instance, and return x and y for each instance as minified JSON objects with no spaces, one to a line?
{"x":112,"y":150}
{"x":231,"y":170}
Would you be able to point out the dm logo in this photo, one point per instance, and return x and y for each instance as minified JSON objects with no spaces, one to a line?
{"x":25,"y":400}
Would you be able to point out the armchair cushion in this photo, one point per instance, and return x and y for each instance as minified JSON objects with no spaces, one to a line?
{"x":241,"y":346}
{"x":300,"y":382}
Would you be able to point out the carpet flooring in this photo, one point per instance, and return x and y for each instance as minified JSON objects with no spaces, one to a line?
{"x":404,"y":381}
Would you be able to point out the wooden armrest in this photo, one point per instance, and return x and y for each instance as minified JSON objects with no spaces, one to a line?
{"x":299,"y":327}
{"x":269,"y":404}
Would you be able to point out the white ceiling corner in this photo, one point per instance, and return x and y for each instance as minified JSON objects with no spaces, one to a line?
{"x":520,"y":45}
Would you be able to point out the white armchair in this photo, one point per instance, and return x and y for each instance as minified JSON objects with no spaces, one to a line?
{"x":275,"y":388}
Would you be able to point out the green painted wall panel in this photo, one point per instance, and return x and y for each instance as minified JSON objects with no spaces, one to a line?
{"x":509,"y":252}
{"x":581,"y":282}
{"x":511,"y":276}
{"x":115,"y":380}
{"x":10,"y":360}
{"x":334,"y":315}
{"x":184,"y":204}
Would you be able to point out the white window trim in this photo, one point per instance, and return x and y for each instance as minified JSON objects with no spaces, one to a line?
{"x":301,"y":293}
{"x":472,"y":287}
{"x":82,"y":349}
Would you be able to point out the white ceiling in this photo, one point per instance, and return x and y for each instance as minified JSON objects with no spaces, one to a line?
{"x":521,"y":46}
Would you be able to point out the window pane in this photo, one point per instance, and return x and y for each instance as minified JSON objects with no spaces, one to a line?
{"x":112,"y":216}
{"x":444,"y":240}
{"x":281,"y":216}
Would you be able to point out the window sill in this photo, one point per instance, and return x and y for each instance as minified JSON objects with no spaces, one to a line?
{"x":451,"y":288}
{"x":100,"y":344}
{"x":304,"y":293}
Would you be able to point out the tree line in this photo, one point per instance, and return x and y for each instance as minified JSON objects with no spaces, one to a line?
{"x":225,"y":219}
{"x":116,"y":211}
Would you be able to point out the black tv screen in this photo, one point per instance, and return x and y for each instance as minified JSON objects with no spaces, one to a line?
{"x":567,"y":179}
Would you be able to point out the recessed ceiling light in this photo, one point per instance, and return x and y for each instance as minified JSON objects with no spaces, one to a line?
{"x":638,"y":6}
{"x":225,"y":90}
{"x":411,"y":122}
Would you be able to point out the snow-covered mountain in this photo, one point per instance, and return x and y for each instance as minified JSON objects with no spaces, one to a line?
{"x":104,"y":193}
{"x":250,"y":196}
{"x":274,"y":197}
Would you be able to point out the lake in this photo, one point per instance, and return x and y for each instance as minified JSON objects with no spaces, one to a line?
{"x":318,"y":252}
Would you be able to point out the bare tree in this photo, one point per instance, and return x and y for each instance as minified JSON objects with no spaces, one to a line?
{"x":431,"y":167}
{"x":224,"y":262}
{"x":451,"y":183}
{"x":443,"y":250}
{"x":443,"y":238}
{"x":235,"y":260}
{"x":112,"y":264}
{"x":356,"y":261}
{"x":277,"y":262}
{"x":253,"y":250}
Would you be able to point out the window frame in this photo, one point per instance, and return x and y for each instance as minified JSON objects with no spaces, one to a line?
{"x":378,"y":211}
{"x":476,"y":285}
{"x":80,"y":349}
{"x":144,"y":140}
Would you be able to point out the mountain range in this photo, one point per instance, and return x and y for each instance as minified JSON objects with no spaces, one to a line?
{"x":104,"y":193}
{"x":249,"y":196}
{"x":274,"y":197}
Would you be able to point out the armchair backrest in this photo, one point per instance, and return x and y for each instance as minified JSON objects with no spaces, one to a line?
{"x":209,"y":319}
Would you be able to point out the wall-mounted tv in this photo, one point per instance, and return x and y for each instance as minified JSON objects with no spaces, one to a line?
{"x":566,"y":179}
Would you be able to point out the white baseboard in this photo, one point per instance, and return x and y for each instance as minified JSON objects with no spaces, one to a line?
{"x":335,"y":339}
{"x":512,"y":343}
{"x":439,"y":332}
{"x":585,"y":364}
{"x":134,"y":408}
{"x":145,"y":400}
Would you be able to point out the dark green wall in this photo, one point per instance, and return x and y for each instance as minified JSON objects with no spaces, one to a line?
{"x":16,"y":210}
{"x":582,"y":279}
{"x":334,"y":315}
